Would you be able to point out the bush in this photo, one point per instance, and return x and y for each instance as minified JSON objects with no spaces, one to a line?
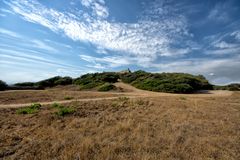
{"x":63,"y":81}
{"x":65,"y":111}
{"x":25,"y":84}
{"x":3,"y":85}
{"x":89,"y":81}
{"x":68,"y":98}
{"x":166,"y":82}
{"x":62,"y":110}
{"x":48,"y":82}
{"x":106,"y":87}
{"x":29,"y":110}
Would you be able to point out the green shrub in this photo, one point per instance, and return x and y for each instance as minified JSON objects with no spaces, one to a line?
{"x":68,"y":98}
{"x":29,"y":110}
{"x":3,"y":85}
{"x":56,"y":105}
{"x":106,"y":87}
{"x":89,"y":81}
{"x":166,"y":82}
{"x":63,"y":81}
{"x":64,"y":111}
{"x":25,"y":84}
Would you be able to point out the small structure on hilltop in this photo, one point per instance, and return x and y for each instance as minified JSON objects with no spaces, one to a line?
{"x":125,"y":71}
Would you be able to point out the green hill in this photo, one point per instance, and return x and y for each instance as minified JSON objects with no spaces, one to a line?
{"x":158,"y":82}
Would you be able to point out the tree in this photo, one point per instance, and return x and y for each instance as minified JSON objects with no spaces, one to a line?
{"x":3,"y":85}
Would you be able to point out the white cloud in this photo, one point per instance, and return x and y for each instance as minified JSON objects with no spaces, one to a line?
{"x":148,"y":38}
{"x":224,"y":44}
{"x":236,"y":34}
{"x":41,"y":45}
{"x":108,"y":61}
{"x":10,"y":33}
{"x":97,"y":7}
{"x":219,"y":12}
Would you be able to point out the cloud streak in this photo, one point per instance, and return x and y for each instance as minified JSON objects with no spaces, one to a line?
{"x":148,"y":37}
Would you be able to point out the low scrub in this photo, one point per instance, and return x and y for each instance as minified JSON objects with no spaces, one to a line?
{"x":230,"y":87}
{"x":95,"y":80}
{"x":166,"y":82}
{"x":29,"y":110}
{"x":68,"y":98}
{"x":62,"y":110}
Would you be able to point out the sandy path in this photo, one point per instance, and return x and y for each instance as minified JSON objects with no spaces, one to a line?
{"x":130,"y":92}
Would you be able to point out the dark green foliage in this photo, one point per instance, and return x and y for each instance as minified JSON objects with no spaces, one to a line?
{"x":68,"y":98}
{"x":3,"y":85}
{"x":51,"y":82}
{"x":48,"y":82}
{"x":25,"y":84}
{"x":106,"y":87}
{"x":62,"y":110}
{"x":63,"y":81}
{"x":230,"y":87}
{"x":166,"y":82}
{"x":29,"y":110}
{"x":89,"y":81}
{"x":65,"y":111}
{"x":234,"y":87}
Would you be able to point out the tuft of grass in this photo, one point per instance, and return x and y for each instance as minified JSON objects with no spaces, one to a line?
{"x":29,"y":110}
{"x":62,"y":110}
{"x":65,"y":111}
{"x":68,"y":98}
{"x":56,"y":105}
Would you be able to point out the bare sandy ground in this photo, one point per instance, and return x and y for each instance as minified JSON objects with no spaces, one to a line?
{"x":129,"y":91}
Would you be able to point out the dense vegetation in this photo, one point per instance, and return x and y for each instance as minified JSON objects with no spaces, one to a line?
{"x":166,"y":82}
{"x":3,"y":85}
{"x":51,"y":82}
{"x":230,"y":87}
{"x":89,"y":81}
{"x":159,"y":82}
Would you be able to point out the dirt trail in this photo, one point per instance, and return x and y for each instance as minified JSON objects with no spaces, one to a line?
{"x":130,"y":92}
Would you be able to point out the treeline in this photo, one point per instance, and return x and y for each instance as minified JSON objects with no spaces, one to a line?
{"x":159,"y":82}
{"x":230,"y":87}
{"x":51,"y":82}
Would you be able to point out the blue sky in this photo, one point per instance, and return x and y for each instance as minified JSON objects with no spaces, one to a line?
{"x":41,"y":39}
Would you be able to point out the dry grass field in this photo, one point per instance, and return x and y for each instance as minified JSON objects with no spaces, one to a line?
{"x":179,"y":127}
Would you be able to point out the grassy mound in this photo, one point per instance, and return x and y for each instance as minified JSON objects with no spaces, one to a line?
{"x":90,"y":81}
{"x":166,"y":82}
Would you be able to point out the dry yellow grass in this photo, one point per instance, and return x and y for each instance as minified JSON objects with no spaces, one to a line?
{"x":170,"y":127}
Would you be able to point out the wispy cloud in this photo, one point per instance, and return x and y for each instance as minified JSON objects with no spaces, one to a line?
{"x":9,"y":33}
{"x":149,"y":37}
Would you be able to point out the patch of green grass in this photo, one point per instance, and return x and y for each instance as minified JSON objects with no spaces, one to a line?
{"x":65,"y":111}
{"x":29,"y":110}
{"x":56,"y":105}
{"x":68,"y":98}
{"x":62,"y":110}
